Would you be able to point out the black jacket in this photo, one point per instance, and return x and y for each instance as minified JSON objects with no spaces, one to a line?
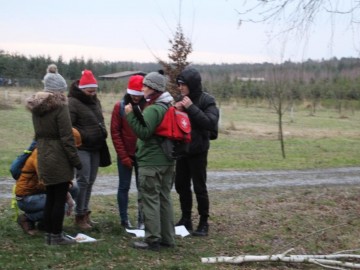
{"x":86,"y":116}
{"x":203,"y":113}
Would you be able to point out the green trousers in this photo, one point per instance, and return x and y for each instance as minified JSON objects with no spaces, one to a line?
{"x":155,"y":184}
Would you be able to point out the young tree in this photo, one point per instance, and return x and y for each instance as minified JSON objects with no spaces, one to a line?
{"x":279,"y":94}
{"x":181,"y":47}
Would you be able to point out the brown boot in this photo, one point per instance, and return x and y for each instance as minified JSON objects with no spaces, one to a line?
{"x":26,"y":224}
{"x":80,"y":222}
{"x":89,"y":220}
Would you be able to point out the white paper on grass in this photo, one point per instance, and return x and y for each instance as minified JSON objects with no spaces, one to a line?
{"x":179,"y":230}
{"x":82,"y":238}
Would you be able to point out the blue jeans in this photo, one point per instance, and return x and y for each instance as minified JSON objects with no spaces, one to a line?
{"x":33,"y":206}
{"x":125,"y":174}
{"x":85,"y":180}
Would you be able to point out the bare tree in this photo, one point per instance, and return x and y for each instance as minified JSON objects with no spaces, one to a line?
{"x":279,"y":94}
{"x":299,"y":16}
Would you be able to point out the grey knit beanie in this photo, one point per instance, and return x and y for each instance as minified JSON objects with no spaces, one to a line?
{"x":53,"y":81}
{"x":155,"y":81}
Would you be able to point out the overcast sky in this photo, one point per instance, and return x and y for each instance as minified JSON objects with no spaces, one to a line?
{"x":136,"y":30}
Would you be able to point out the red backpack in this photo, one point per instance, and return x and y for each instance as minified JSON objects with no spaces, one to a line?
{"x":175,"y":125}
{"x":175,"y":130}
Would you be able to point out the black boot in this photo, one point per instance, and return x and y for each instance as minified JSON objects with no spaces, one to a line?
{"x":203,"y":227}
{"x":186,"y":222}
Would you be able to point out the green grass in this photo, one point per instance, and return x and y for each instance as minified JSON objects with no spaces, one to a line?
{"x":312,"y":220}
{"x":247,"y":140}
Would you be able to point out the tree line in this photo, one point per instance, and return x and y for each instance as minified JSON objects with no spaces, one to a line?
{"x":312,"y":80}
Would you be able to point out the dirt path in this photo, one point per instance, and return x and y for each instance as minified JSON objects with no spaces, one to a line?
{"x":221,"y":180}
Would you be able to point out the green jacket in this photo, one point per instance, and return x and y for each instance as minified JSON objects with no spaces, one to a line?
{"x":57,"y":154}
{"x":149,"y":152}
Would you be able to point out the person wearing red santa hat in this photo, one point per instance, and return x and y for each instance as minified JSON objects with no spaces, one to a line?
{"x":124,"y":140}
{"x":86,"y":116}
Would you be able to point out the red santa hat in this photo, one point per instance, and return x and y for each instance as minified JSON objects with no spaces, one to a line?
{"x":135,"y":85}
{"x":87,"y":80}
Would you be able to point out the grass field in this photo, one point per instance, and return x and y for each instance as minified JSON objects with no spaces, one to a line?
{"x":312,"y":220}
{"x":247,"y":140}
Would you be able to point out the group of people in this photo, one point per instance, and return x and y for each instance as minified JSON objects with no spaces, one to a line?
{"x":137,"y":147}
{"x":70,"y":133}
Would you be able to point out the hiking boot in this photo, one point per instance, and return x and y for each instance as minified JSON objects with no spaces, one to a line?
{"x":88,"y":220}
{"x":80,"y":222}
{"x":126,"y":224}
{"x":154,"y":246}
{"x":26,"y":224}
{"x":186,"y":222}
{"x":61,"y":239}
{"x":202,"y":229}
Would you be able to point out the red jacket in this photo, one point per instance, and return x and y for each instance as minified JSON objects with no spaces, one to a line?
{"x":123,"y":138}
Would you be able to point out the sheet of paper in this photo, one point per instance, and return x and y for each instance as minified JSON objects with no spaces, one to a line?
{"x":179,"y":230}
{"x":138,"y":233}
{"x":82,"y":238}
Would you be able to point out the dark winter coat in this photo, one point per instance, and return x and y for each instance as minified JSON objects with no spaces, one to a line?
{"x":203,"y":113}
{"x":123,"y":137}
{"x":86,"y":116}
{"x":57,"y":154}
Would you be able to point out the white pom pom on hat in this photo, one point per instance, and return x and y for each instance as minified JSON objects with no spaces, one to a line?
{"x":53,"y":81}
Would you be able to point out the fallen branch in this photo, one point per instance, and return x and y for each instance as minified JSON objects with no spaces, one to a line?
{"x":327,"y":261}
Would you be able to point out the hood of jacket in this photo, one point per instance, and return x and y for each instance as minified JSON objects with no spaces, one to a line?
{"x":191,"y":77}
{"x":165,"y":97}
{"x":43,"y":102}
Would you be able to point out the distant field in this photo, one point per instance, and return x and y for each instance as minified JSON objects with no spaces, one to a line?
{"x":247,"y":141}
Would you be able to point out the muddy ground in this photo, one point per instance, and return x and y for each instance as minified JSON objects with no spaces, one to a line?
{"x":223,"y":180}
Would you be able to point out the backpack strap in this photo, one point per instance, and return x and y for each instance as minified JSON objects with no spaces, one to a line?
{"x":164,"y":105}
{"x":14,"y":204}
{"x":122,"y":108}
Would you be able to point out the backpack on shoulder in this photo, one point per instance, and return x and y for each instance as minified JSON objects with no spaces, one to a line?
{"x":175,"y":130}
{"x":19,"y":162}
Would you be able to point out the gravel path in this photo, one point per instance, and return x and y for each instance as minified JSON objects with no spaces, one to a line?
{"x":222,"y":180}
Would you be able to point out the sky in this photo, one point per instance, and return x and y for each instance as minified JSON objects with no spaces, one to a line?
{"x":140,"y":30}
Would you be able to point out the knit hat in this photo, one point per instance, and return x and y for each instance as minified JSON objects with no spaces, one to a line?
{"x":155,"y":81}
{"x":87,"y":80}
{"x":53,"y":81}
{"x":135,"y":85}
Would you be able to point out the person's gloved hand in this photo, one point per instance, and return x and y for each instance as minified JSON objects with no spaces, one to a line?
{"x":127,"y":162}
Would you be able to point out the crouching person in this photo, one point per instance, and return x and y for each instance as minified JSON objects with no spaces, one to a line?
{"x":31,"y":194}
